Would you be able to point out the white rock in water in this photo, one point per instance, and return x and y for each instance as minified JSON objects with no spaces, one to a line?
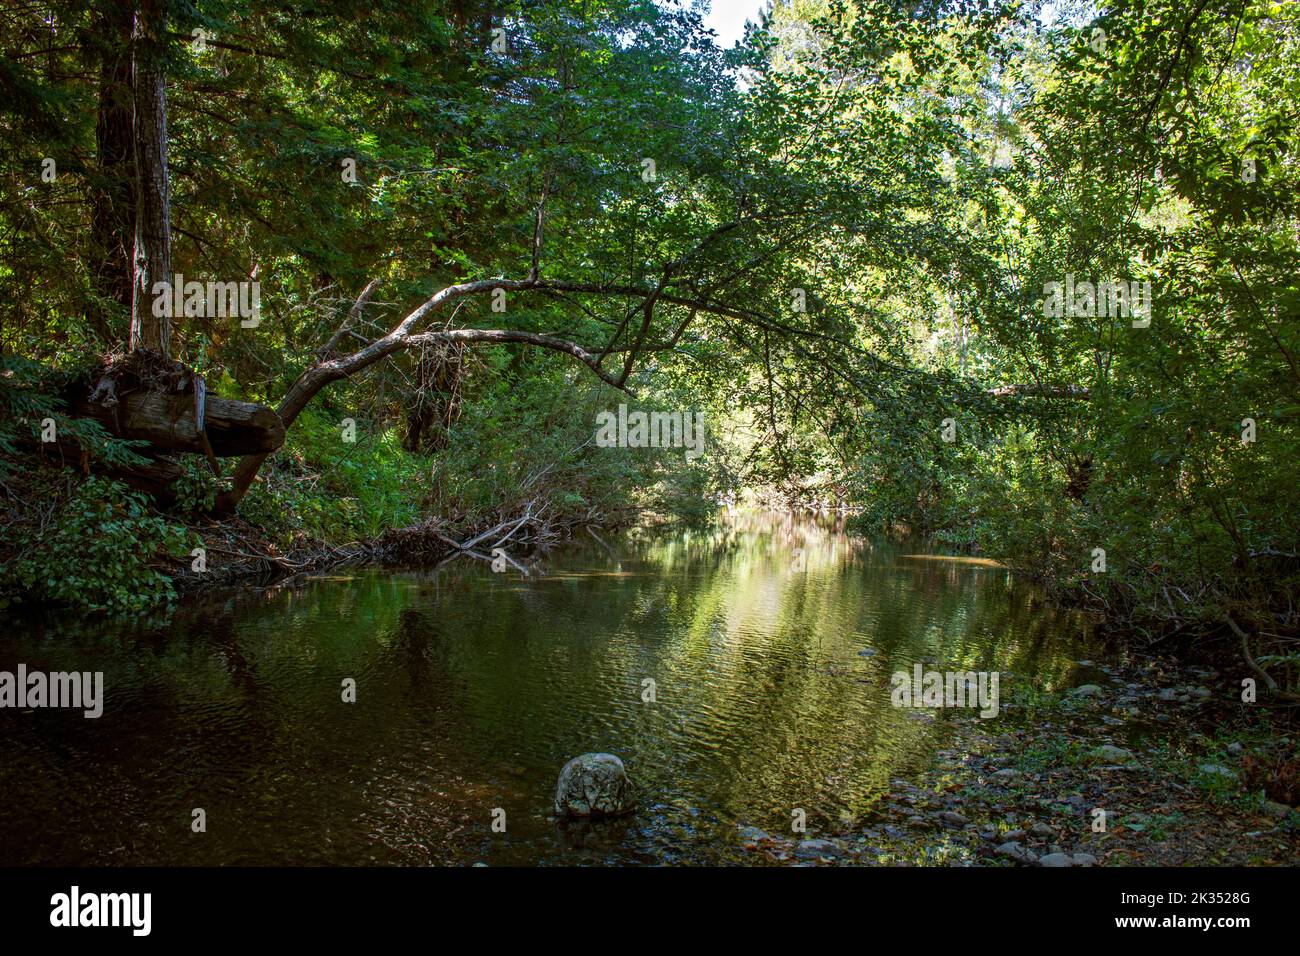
{"x":594,"y":785}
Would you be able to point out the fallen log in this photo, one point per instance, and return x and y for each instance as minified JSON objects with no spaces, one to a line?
{"x":168,"y":421}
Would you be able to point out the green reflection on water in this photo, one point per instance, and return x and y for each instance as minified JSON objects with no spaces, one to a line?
{"x":474,"y":688}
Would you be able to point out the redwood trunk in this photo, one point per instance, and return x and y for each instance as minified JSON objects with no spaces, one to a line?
{"x":152,"y":255}
{"x":112,"y":217}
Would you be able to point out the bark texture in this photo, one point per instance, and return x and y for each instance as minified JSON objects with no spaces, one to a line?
{"x":152,"y":253}
{"x":168,"y":422}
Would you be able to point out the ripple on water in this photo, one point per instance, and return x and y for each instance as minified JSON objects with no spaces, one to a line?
{"x":474,"y":688}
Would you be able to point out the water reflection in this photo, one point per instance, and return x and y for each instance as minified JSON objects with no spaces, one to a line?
{"x":770,"y":643}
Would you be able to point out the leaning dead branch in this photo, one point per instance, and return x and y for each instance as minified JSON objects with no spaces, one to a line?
{"x":1253,"y":664}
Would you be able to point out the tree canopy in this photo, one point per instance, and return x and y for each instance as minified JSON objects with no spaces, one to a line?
{"x":1021,"y":276}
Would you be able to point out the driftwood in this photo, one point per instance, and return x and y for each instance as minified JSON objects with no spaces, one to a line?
{"x":168,"y":422}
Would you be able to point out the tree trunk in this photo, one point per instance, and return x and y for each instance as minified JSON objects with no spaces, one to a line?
{"x":152,"y":256}
{"x":112,"y":217}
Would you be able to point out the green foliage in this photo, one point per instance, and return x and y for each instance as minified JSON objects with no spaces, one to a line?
{"x":1120,"y":158}
{"x":105,"y":549}
{"x":521,"y":441}
{"x":915,"y":173}
{"x":196,"y":489}
{"x":324,"y":488}
{"x":29,"y":398}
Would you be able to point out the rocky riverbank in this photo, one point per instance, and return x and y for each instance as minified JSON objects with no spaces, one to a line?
{"x":1137,"y":764}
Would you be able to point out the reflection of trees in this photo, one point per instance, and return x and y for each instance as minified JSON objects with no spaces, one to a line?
{"x":411,"y":640}
{"x":467,"y":677}
{"x":762,"y":696}
{"x":221,"y":636}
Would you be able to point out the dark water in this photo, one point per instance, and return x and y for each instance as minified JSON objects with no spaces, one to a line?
{"x":474,"y":688}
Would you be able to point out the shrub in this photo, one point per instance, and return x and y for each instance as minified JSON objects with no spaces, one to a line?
{"x":101,"y":552}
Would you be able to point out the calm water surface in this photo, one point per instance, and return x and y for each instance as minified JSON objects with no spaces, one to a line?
{"x":474,"y":688}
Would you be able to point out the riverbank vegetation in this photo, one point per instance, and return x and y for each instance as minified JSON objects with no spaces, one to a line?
{"x":1022,"y":279}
